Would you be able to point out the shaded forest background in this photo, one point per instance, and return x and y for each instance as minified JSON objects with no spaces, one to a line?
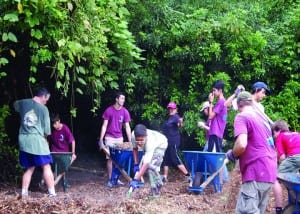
{"x":84,"y":51}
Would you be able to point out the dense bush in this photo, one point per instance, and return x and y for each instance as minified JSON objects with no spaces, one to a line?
{"x":10,"y":168}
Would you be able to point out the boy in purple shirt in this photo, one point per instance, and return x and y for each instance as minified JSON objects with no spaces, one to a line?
{"x":218,"y":116}
{"x":61,"y":139}
{"x":254,"y":147}
{"x":113,"y":119}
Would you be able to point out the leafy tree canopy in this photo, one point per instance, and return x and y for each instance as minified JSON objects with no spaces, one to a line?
{"x":157,"y":51}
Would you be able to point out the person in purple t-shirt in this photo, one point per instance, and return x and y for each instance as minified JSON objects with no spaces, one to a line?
{"x":113,"y":119}
{"x":218,"y":116}
{"x":61,"y":140}
{"x":255,"y":149}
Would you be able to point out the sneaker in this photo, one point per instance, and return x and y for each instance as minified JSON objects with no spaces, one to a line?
{"x":155,"y":192}
{"x":109,"y":184}
{"x":24,"y":196}
{"x":278,"y":210}
{"x":188,"y":178}
{"x":120,"y":183}
{"x":164,"y":179}
{"x":51,"y":195}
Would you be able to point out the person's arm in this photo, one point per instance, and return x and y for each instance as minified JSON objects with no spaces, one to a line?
{"x":135,"y":156}
{"x":240,"y":145}
{"x":142,"y":171}
{"x":203,"y":126}
{"x":282,"y":157}
{"x":211,"y":113}
{"x":102,"y":132}
{"x":228,"y":102}
{"x":73,"y":151}
{"x":239,"y":89}
{"x":180,"y":122}
{"x":128,"y":131}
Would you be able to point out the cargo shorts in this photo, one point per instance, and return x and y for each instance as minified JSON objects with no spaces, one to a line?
{"x":253,"y":197}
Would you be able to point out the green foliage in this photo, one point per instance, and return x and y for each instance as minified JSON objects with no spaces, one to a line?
{"x":86,"y":45}
{"x":91,"y":46}
{"x":189,"y":44}
{"x":10,"y":170}
{"x":286,"y":105}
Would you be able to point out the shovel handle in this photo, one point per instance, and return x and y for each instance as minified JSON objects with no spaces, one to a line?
{"x":211,"y":177}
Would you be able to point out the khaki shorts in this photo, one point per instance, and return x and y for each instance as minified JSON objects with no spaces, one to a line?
{"x":253,"y":197}
{"x":112,"y":142}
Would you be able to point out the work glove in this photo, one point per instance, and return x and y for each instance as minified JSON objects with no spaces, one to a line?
{"x":134,"y":184}
{"x":136,"y":168}
{"x":100,"y":144}
{"x":230,"y":156}
{"x":201,"y":124}
{"x":239,"y":89}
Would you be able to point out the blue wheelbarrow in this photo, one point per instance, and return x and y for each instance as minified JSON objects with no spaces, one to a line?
{"x":205,"y":168}
{"x":122,"y":163}
{"x":292,"y":183}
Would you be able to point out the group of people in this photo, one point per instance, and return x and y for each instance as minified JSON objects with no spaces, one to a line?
{"x":254,"y":133}
{"x":260,"y":158}
{"x":36,"y":138}
{"x":159,"y":148}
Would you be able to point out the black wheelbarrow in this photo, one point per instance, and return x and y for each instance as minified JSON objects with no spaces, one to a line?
{"x":61,"y":164}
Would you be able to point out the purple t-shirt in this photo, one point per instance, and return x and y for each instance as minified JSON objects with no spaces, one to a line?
{"x":258,"y":162}
{"x":218,"y":123}
{"x":61,"y":139}
{"x":115,"y":118}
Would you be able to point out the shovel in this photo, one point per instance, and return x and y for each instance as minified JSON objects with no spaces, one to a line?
{"x":211,"y":177}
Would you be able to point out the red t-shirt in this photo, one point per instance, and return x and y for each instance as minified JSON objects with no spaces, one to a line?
{"x":288,"y":143}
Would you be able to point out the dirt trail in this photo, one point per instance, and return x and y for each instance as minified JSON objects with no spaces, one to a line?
{"x":88,"y":194}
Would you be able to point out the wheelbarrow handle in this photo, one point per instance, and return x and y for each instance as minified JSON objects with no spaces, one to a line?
{"x":211,"y":177}
{"x":126,"y":176}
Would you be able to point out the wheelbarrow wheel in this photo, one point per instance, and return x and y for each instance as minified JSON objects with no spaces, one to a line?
{"x":197,"y":181}
{"x":290,"y":209}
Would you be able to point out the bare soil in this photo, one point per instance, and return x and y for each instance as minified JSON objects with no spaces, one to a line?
{"x":88,"y":194}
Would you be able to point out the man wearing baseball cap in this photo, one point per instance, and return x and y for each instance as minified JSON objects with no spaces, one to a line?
{"x":254,"y":148}
{"x":259,"y":91}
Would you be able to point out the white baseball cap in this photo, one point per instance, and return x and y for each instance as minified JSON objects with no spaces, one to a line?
{"x":205,"y":105}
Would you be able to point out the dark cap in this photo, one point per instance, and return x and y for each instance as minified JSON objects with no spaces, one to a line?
{"x":260,"y":85}
{"x":219,"y":84}
{"x":41,"y":92}
{"x":140,"y":130}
